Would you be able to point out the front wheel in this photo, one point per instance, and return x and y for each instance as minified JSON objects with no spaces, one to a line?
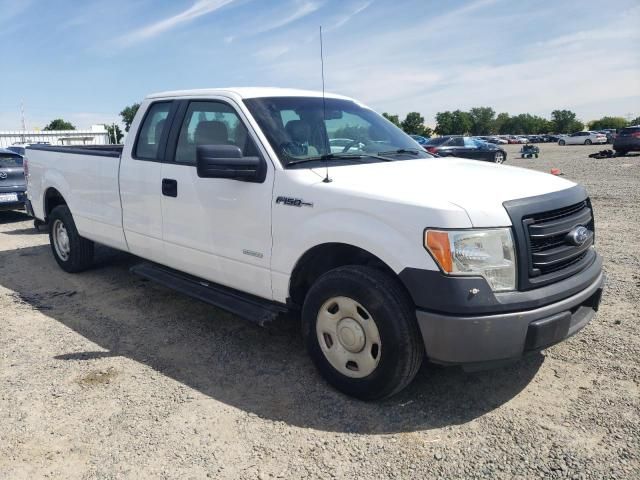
{"x":587,"y":142}
{"x":562,"y":143}
{"x":498,"y":157}
{"x":72,"y":252}
{"x":360,"y":329}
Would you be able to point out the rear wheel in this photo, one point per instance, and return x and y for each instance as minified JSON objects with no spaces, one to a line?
{"x":587,"y":142}
{"x":361,"y":332}
{"x":498,"y":157}
{"x":562,"y":142}
{"x":72,"y":252}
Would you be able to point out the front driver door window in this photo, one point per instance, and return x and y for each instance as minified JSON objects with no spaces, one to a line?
{"x":216,"y":228}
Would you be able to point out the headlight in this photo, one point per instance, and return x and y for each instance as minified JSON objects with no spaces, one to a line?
{"x":488,"y":253}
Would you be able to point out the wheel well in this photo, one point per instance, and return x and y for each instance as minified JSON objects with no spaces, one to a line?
{"x":52,"y":198}
{"x":322,"y":258}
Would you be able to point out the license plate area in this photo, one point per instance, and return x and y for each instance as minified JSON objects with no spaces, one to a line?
{"x":8,"y":197}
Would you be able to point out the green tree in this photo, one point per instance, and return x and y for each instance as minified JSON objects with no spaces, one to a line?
{"x":461,"y":122}
{"x":128,"y":113}
{"x":392,"y":118}
{"x":59,"y":124}
{"x":115,"y":134}
{"x":635,"y":121}
{"x":607,"y":122}
{"x":413,"y":124}
{"x":482,"y":120}
{"x":565,"y":121}
{"x":499,"y":123}
{"x":444,"y":123}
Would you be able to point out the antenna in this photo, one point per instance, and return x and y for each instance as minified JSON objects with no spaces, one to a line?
{"x":324,"y":108}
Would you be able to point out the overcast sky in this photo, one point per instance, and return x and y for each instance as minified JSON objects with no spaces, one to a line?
{"x":84,"y":61}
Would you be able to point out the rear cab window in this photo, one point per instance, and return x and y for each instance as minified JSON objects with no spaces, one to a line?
{"x":153,"y":129}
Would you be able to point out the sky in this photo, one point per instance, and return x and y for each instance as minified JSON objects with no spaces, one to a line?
{"x":84,"y":61}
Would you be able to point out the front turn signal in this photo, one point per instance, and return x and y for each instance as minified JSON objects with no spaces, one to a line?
{"x":438,"y":244}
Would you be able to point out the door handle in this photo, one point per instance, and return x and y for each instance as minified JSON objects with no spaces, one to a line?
{"x":169,"y":187}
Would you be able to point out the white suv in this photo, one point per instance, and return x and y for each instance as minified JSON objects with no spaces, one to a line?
{"x":583,"y":138}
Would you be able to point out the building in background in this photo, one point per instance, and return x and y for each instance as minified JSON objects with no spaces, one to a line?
{"x":96,"y":135}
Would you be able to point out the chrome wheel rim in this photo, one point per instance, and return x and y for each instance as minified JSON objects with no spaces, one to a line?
{"x":348,"y":337}
{"x":61,"y":240}
{"x":499,"y":157}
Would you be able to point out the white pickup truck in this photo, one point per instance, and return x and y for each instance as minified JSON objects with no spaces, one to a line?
{"x":391,"y":255}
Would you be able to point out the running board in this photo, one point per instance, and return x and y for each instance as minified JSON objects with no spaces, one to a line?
{"x":249,"y":307}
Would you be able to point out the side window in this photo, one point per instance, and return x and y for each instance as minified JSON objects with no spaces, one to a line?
{"x":470,"y":143}
{"x":211,"y":123}
{"x":151,"y":130}
{"x":456,"y":142}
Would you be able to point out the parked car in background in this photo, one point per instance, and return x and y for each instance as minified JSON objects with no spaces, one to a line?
{"x":466,"y":147}
{"x":420,"y":139}
{"x":627,"y":140}
{"x":583,"y":138}
{"x":610,"y":133}
{"x":12,"y":181}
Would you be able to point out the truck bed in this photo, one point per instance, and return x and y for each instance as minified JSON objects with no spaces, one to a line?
{"x":87,"y":177}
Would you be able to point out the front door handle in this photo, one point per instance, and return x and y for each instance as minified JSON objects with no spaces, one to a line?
{"x":169,"y":187}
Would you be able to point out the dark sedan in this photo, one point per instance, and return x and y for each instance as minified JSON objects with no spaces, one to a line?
{"x":466,"y":147}
{"x":12,"y":182}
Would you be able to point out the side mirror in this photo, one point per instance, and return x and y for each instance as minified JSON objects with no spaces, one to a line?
{"x":226,"y":161}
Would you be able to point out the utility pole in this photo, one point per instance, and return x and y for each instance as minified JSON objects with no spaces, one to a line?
{"x":24,"y":125}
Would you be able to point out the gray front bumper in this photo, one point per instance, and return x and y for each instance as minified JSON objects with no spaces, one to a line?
{"x":451,"y":339}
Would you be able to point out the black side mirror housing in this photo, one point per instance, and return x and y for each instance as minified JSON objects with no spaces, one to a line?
{"x":226,"y":161}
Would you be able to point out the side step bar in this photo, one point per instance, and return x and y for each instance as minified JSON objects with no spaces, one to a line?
{"x":249,"y":307}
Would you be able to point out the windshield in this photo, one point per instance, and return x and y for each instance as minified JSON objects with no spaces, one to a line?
{"x":302,"y":129}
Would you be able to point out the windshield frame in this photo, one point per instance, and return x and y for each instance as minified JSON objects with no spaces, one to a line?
{"x":268,"y":113}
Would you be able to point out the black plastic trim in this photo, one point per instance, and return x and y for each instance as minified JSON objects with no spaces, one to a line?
{"x":96,"y":150}
{"x":436,"y":292}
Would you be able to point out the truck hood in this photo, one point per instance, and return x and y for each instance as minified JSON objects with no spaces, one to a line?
{"x":480,"y":188}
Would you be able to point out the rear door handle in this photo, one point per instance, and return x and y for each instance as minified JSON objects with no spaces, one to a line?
{"x":169,"y":187}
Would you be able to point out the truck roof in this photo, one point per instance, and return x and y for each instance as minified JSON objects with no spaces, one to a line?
{"x":245,"y":92}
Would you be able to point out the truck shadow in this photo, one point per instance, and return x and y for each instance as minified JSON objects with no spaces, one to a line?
{"x":13,"y":216}
{"x":263,"y":371}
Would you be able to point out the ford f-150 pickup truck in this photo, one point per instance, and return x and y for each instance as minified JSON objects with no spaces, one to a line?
{"x":389,"y":254}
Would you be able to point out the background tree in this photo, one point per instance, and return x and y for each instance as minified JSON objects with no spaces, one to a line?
{"x":482,"y":120}
{"x":607,"y":122}
{"x":114,"y":133}
{"x":59,"y":124}
{"x":392,"y":118}
{"x":444,"y":123}
{"x":127,"y":115}
{"x":565,"y":121}
{"x":635,"y":121}
{"x":499,"y":122}
{"x":461,"y":122}
{"x":413,"y":124}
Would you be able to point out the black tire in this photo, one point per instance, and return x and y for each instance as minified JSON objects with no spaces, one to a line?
{"x":80,"y":256}
{"x":499,"y":157}
{"x":587,"y":142}
{"x":401,"y":345}
{"x":561,"y":142}
{"x":536,"y":155}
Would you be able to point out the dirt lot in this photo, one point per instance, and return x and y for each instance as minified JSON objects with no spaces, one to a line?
{"x":105,"y":375}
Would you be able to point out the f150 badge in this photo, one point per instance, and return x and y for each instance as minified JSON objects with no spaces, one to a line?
{"x":293,"y":202}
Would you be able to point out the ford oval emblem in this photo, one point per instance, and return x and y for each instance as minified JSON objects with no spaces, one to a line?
{"x":578,"y":235}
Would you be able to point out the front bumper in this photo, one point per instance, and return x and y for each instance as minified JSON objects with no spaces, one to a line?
{"x":486,"y":339}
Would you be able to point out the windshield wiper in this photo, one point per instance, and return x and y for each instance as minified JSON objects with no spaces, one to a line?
{"x":410,"y":151}
{"x":337,"y":156}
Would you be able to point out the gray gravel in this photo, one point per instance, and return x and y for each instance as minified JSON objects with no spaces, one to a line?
{"x":105,"y":375}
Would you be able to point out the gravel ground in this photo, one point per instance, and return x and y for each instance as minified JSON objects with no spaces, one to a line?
{"x":105,"y":375}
